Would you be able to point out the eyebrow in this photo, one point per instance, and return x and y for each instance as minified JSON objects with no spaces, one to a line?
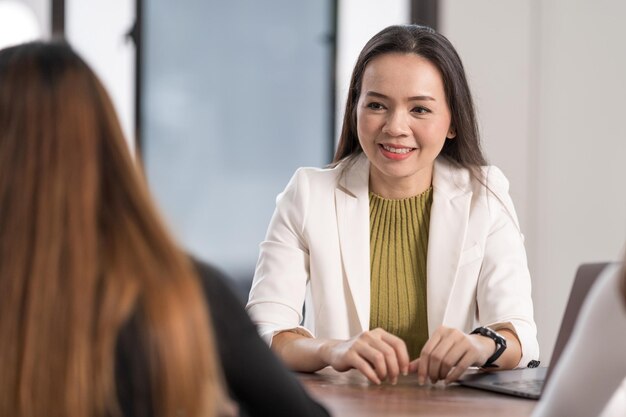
{"x":375,"y":94}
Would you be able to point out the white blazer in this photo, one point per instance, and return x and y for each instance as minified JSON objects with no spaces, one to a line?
{"x":317,"y":250}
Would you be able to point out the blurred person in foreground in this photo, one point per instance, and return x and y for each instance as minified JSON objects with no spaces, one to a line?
{"x":595,"y":353}
{"x":101,"y":314}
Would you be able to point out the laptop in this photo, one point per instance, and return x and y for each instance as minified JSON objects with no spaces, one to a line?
{"x":529,"y":382}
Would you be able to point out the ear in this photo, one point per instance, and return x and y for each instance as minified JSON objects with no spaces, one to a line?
{"x":451,"y":133}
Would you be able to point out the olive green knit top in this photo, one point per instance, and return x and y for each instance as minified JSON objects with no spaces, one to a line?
{"x":398,"y":247}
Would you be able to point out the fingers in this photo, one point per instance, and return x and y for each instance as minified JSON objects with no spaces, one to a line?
{"x":440,"y":360}
{"x":400,"y":350}
{"x":453,"y":362}
{"x":391,"y":355}
{"x":366,"y":369}
{"x":424,"y":359}
{"x":353,"y":353}
{"x":377,"y":354}
{"x":461,"y":366}
{"x":446,"y":355}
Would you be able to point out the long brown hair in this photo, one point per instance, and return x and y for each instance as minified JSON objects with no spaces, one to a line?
{"x":82,"y":250}
{"x":464,"y":149}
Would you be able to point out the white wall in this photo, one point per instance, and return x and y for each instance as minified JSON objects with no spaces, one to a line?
{"x":549,"y":81}
{"x":580,"y":203}
{"x":497,"y":54}
{"x":18,"y":23}
{"x":97,"y":30}
{"x":43,"y":11}
{"x":357,"y":22}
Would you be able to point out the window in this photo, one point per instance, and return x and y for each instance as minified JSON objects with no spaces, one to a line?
{"x":234,"y":97}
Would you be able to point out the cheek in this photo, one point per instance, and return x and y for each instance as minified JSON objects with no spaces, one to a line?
{"x":366,"y":126}
{"x":433,"y":132}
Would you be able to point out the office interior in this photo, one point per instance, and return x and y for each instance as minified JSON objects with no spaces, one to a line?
{"x":222,"y":101}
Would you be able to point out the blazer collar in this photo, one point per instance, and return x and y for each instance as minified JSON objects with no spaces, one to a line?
{"x":450,"y":180}
{"x":449,"y":217}
{"x":447,"y":179}
{"x":354,"y":176}
{"x":448,"y":225}
{"x":352,"y":205}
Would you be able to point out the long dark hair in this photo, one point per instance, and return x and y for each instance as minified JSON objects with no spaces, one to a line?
{"x":82,"y":250}
{"x":464,"y":149}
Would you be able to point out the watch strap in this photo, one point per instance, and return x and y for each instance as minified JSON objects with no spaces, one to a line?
{"x":499,"y":340}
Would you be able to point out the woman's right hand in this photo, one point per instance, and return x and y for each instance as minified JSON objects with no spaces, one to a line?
{"x":377,"y":354}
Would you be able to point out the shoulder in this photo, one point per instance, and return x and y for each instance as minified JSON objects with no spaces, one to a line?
{"x":317,"y":176}
{"x":493,"y":188}
{"x":306,"y":185}
{"x":455,"y":178}
{"x":207,"y":272}
{"x":317,"y":182}
{"x":215,"y":283}
{"x":494,"y":179}
{"x":487,"y":184}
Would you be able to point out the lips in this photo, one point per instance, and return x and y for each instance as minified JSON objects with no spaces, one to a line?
{"x":397,"y":149}
{"x":395,"y":152}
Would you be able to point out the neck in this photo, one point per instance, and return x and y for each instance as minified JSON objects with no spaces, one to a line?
{"x":399,"y":188}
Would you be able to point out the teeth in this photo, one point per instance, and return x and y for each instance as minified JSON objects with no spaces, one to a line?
{"x":397,"y":150}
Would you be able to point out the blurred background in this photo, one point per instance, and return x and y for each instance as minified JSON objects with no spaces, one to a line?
{"x":222,"y":101}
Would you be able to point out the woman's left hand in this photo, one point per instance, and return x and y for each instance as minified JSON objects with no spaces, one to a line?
{"x":448,"y":353}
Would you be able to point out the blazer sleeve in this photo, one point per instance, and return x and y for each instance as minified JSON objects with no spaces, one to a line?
{"x":504,"y":286}
{"x":256,"y":379}
{"x":594,"y":353}
{"x":279,"y":285}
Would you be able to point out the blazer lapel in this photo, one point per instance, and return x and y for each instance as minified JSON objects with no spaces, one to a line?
{"x":448,"y":226}
{"x":352,"y":205}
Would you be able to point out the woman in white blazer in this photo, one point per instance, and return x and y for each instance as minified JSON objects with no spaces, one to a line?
{"x":409,"y":131}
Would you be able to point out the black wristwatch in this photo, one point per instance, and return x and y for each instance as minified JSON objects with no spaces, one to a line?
{"x":500,"y":344}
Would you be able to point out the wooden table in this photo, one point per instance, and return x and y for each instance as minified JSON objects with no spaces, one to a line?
{"x":349,"y":394}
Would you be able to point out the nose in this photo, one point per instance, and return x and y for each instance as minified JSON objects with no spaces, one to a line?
{"x":396,"y":124}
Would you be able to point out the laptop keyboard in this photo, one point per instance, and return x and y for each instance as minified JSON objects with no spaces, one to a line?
{"x":532,"y":386}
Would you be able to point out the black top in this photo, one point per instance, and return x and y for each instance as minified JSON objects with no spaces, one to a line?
{"x":255,"y":378}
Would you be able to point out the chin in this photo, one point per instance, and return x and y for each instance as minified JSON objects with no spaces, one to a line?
{"x":400,"y":173}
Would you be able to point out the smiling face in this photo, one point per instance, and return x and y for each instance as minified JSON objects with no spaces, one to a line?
{"x":403,"y":120}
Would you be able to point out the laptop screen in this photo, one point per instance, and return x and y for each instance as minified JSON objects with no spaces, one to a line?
{"x":584,"y":279}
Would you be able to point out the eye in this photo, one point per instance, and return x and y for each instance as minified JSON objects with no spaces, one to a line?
{"x":420,"y":110}
{"x":375,"y":106}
